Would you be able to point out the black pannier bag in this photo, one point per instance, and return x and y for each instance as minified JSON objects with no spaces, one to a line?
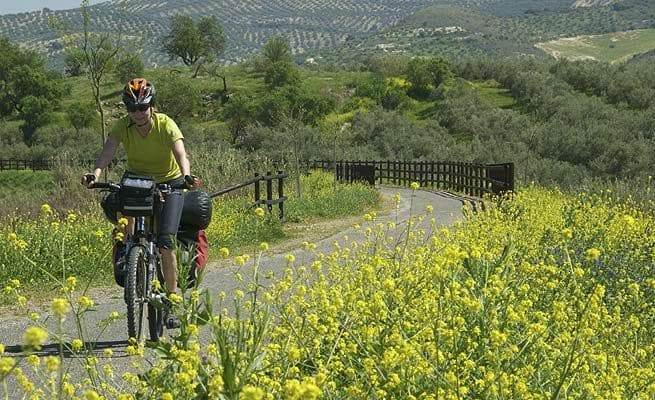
{"x":197,"y":211}
{"x":110,"y":206}
{"x":137,"y":195}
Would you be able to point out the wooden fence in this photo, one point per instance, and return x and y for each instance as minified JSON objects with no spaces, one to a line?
{"x":47,"y":164}
{"x":19,"y":165}
{"x":467,"y":178}
{"x":269,"y":201}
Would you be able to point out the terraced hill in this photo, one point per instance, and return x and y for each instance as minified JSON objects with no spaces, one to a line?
{"x":308,"y":24}
{"x":355,"y":28}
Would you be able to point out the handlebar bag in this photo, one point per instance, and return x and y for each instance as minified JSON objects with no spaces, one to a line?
{"x":137,"y":195}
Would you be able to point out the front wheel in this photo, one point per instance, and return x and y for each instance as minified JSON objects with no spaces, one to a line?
{"x":136,"y":290}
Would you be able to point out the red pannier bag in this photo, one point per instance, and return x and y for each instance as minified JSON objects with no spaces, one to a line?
{"x":194,"y":249}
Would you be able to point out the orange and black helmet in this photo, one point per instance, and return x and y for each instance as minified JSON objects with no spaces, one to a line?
{"x":138,"y":92}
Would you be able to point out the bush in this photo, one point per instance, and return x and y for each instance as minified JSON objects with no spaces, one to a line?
{"x":177,"y":99}
{"x":81,"y":114}
{"x":128,"y":66}
{"x":281,"y":73}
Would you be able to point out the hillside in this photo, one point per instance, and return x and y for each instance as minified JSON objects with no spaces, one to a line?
{"x":344,"y":31}
{"x":611,"y":47}
{"x":500,"y":27}
{"x":308,"y":25}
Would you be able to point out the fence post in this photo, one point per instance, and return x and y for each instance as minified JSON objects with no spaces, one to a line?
{"x":280,"y":192}
{"x":257,"y":195}
{"x":269,"y":191}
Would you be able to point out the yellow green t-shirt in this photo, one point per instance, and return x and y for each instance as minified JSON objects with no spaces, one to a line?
{"x":151,"y":155}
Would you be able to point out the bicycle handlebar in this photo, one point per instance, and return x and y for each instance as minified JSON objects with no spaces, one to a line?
{"x":162,"y":187}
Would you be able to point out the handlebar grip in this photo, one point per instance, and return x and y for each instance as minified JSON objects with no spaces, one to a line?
{"x":100,"y":185}
{"x":89,"y":178}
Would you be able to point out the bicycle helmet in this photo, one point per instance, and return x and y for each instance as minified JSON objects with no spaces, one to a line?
{"x":138,"y":92}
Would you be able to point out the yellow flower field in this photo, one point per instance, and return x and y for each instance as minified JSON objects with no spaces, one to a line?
{"x":543,"y":296}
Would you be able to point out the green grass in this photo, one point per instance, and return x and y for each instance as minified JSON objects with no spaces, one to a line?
{"x":25,"y":180}
{"x":611,"y":47}
{"x":240,"y":228}
{"x":494,"y":94}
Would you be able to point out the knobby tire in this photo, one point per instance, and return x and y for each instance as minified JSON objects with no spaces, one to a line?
{"x":136,"y":286}
{"x":156,"y":315}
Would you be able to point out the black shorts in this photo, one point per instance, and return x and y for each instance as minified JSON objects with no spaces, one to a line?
{"x":169,"y":216}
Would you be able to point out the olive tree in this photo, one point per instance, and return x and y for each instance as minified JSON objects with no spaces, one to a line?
{"x":194,"y":43}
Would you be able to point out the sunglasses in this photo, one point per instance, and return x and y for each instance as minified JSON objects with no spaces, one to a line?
{"x":138,"y":107}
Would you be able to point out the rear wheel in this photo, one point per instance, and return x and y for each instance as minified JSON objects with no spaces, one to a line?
{"x":136,"y":290}
{"x":155,"y":322}
{"x":156,"y":314}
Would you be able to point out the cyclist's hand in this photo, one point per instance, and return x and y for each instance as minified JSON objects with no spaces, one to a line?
{"x":192,"y":181}
{"x":88,"y":180}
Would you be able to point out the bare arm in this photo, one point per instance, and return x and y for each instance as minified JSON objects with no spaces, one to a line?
{"x":180,"y":155}
{"x":105,"y":157}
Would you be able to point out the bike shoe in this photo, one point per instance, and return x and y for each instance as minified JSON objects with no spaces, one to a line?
{"x":171,"y":321}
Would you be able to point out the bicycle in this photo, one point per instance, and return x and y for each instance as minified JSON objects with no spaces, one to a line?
{"x":140,"y":197}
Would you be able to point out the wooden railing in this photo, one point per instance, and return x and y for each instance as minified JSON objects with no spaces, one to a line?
{"x":47,"y":164}
{"x":467,"y":178}
{"x":269,"y":201}
{"x":19,"y":165}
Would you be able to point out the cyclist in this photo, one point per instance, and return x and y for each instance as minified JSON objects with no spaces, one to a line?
{"x":155,"y":147}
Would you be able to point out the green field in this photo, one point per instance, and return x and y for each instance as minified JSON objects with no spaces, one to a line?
{"x":611,"y":47}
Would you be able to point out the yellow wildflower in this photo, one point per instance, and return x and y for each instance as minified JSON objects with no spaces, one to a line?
{"x":85,"y":303}
{"x":60,"y":307}
{"x":77,"y":345}
{"x":71,"y":217}
{"x":6,"y":364}
{"x":175,"y":298}
{"x":592,"y":254}
{"x":33,"y":360}
{"x":34,"y":337}
{"x":251,"y":393}
{"x":91,"y":395}
{"x":51,"y":363}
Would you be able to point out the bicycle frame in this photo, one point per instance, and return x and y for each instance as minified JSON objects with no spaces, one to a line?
{"x":144,"y":237}
{"x":143,"y":265}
